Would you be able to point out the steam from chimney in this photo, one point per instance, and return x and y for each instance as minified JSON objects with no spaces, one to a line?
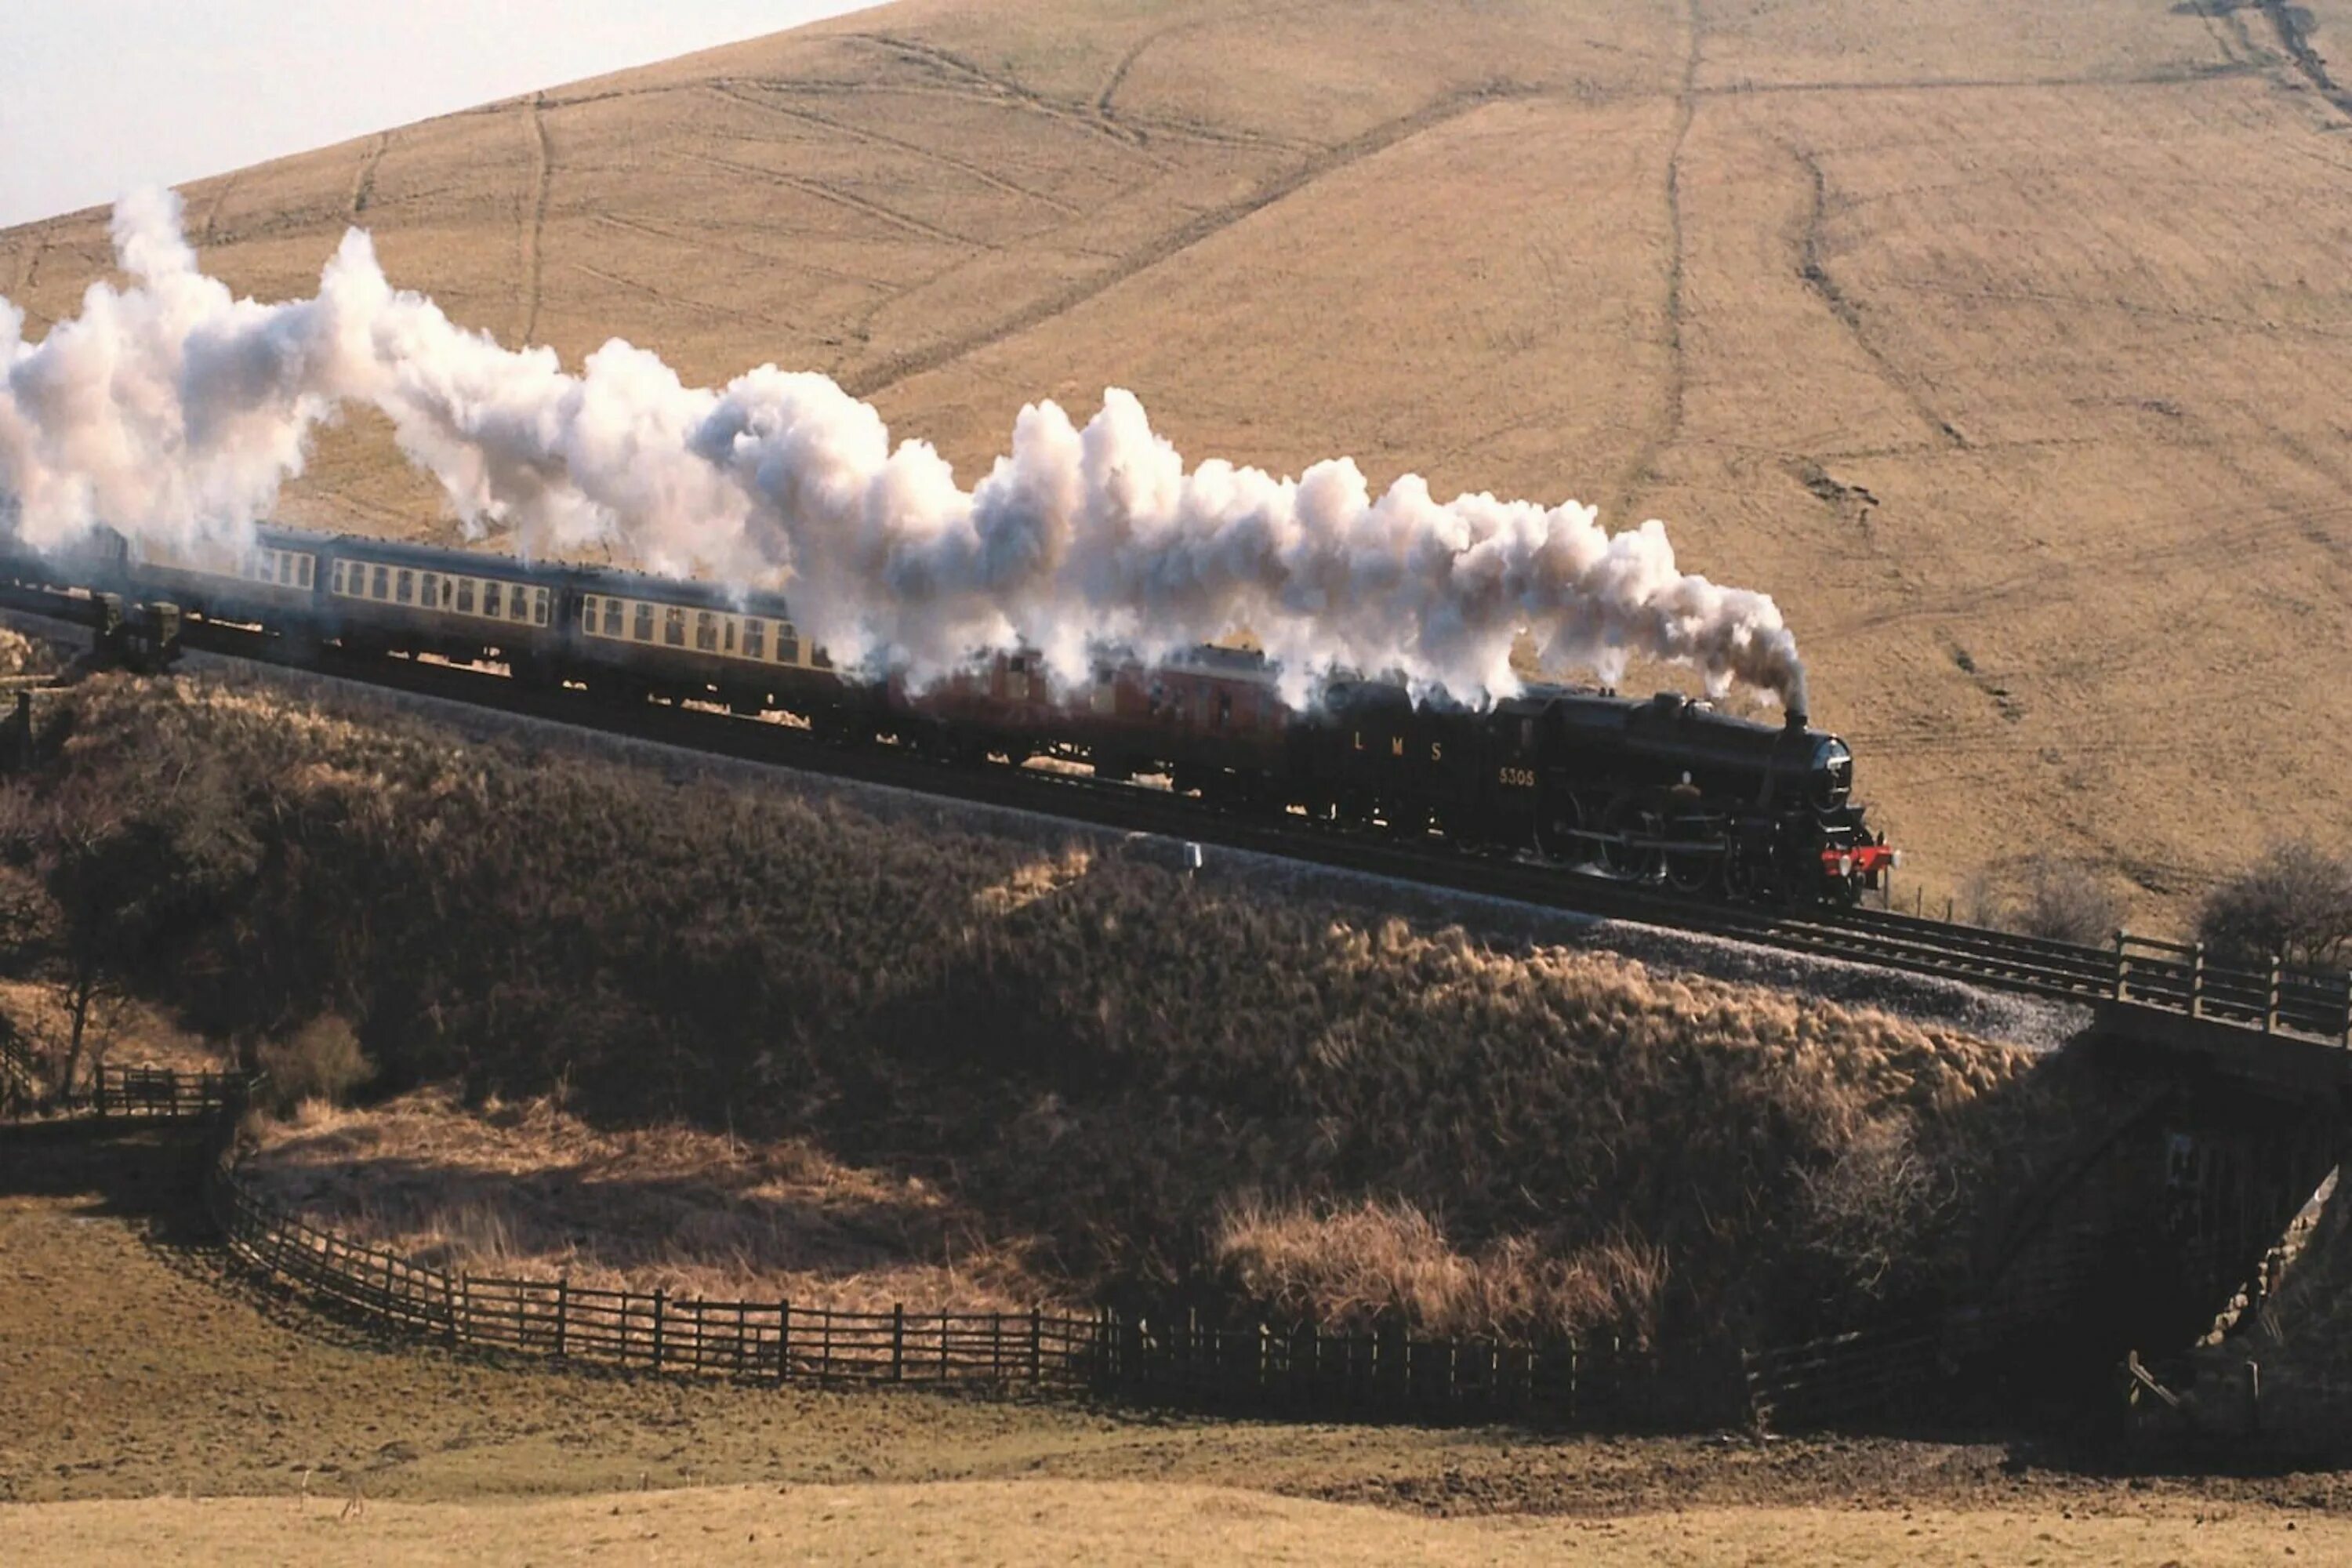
{"x":174,"y":412}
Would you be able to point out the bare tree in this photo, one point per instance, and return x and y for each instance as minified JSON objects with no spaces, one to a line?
{"x":2295,"y":902}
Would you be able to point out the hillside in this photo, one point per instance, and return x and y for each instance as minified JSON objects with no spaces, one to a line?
{"x":1999,"y":345}
{"x":971,"y":1060}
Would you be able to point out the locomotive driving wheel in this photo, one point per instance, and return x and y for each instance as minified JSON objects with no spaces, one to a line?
{"x":1557,"y":819}
{"x":1695,"y":869}
{"x":1624,"y":820}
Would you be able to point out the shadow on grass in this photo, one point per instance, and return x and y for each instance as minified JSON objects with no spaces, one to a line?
{"x":149,"y":1173}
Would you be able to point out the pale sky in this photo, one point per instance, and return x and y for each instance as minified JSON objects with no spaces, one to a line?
{"x":99,"y":96}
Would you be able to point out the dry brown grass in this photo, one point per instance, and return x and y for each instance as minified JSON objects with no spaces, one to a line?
{"x":1357,"y":1264}
{"x":1069,"y":1069}
{"x":2003,"y":350}
{"x":530,"y":1191}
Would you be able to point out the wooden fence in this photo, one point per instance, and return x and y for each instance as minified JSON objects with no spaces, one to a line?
{"x":162,"y":1093}
{"x":1163,"y":1358}
{"x":2175,"y":975}
{"x":1869,"y":1373}
{"x":1151,"y":1355}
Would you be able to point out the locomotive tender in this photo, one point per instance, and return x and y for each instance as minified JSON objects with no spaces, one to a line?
{"x":1663,"y":790}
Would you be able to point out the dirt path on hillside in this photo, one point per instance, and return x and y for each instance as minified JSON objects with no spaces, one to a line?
{"x":131,"y":1365}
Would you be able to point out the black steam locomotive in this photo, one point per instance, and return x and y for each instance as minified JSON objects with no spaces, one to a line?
{"x":1665,"y":790}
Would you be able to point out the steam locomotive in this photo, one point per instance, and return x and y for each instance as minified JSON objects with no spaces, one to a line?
{"x":1664,"y":790}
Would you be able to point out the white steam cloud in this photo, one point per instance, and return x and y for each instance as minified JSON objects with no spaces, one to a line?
{"x":171,"y":411}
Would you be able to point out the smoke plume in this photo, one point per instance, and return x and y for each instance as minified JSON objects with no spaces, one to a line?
{"x":171,"y":410}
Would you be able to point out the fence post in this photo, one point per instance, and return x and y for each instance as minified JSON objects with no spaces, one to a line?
{"x":2271,"y":1000}
{"x":783,"y":1340}
{"x":1036,"y":1344}
{"x":2196,"y":981}
{"x":463,"y":1318}
{"x":897,"y":1342}
{"x":661,"y":1296}
{"x":563,"y":1317}
{"x":2123,"y":971}
{"x":97,"y":1090}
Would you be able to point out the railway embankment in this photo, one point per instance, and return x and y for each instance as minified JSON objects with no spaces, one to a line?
{"x":1132,"y":1081}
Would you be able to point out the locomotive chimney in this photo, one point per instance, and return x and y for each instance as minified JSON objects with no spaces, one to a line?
{"x":1796,"y":719}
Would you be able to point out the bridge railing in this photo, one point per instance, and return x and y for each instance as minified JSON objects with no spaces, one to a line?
{"x":2276,"y":999}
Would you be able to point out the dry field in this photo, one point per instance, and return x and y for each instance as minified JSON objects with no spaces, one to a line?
{"x":1094,"y":1521}
{"x":143,"y":1394}
{"x":2001,"y":344}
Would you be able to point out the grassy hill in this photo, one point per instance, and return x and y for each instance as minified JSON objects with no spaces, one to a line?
{"x":2001,"y":344}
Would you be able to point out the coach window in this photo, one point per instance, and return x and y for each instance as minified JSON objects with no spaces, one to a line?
{"x":788,"y":644}
{"x":538,"y":606}
{"x":491,"y":605}
{"x":612,"y":618}
{"x":820,"y":659}
{"x":755,"y":639}
{"x":429,"y":589}
{"x":380,"y":582}
{"x":518,"y":606}
{"x":643,"y":631}
{"x":310,"y":565}
{"x":404,"y":587}
{"x":1224,"y":708}
{"x":674,"y":626}
{"x":336,"y":577}
{"x":729,"y":635}
{"x":466,"y":594}
{"x":706,"y":632}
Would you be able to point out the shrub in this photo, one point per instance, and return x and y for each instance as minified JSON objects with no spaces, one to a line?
{"x":320,"y":1061}
{"x":2296,"y":902}
{"x":2064,"y":901}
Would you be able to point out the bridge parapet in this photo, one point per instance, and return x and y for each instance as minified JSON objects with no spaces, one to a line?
{"x":2176,"y":977}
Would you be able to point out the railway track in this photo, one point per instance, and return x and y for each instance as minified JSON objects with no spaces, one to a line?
{"x":2305,"y":1002}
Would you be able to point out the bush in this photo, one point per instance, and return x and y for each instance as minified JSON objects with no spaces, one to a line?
{"x":2057,"y":899}
{"x":2296,"y":902}
{"x":321,"y":1061}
